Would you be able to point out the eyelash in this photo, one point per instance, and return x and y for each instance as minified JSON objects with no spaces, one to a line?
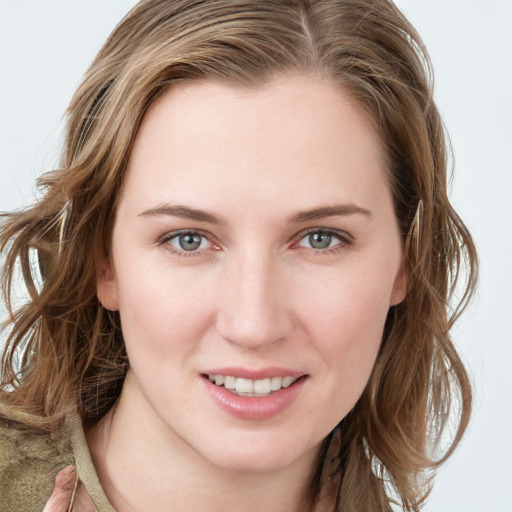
{"x":344,"y":238}
{"x":164,"y":241}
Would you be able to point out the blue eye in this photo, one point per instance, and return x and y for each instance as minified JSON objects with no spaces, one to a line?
{"x":188,"y":241}
{"x":324,"y":239}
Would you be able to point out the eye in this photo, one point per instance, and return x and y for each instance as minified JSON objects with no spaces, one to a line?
{"x":322,"y":239}
{"x":186,"y":241}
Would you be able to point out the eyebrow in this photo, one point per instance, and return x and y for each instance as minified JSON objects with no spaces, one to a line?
{"x":186,"y":212}
{"x":328,"y":211}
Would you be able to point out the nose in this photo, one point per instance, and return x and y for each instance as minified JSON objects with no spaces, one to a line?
{"x":254,"y":309}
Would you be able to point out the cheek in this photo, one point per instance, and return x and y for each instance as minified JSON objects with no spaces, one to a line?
{"x":349,"y":304}
{"x":161,"y":309}
{"x":346,"y":318}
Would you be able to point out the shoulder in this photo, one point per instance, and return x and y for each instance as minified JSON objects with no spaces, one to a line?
{"x":29,"y":463}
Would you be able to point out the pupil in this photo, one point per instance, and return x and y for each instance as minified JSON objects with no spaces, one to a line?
{"x":190,"y":242}
{"x":319,"y":240}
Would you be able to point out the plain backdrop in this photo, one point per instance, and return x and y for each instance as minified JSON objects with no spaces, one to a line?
{"x":45,"y":47}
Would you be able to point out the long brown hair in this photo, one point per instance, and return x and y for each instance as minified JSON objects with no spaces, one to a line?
{"x":64,"y":351}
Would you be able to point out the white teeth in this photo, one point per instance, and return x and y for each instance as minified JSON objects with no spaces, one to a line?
{"x":229,"y":382}
{"x":287,"y":381}
{"x":276,"y":383}
{"x":249,"y":387}
{"x":262,"y":386}
{"x":244,"y":386}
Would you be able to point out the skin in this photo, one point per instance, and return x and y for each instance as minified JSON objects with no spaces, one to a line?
{"x":255,"y":294}
{"x":62,"y":495}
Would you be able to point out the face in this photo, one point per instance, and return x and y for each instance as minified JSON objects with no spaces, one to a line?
{"x":255,"y":244}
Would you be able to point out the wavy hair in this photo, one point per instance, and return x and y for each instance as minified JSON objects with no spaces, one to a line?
{"x":64,"y":351}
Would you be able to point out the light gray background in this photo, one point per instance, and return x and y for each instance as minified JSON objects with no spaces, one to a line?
{"x":45,"y":46}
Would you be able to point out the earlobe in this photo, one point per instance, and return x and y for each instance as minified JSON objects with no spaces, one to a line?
{"x":106,"y":285}
{"x":402,"y":282}
{"x":400,"y":286}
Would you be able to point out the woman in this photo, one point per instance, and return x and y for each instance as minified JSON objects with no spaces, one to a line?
{"x":246,"y":259}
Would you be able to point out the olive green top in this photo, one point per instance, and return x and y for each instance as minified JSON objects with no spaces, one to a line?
{"x":30,"y":461}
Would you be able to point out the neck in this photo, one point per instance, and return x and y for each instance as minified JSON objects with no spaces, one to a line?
{"x":143,"y":465}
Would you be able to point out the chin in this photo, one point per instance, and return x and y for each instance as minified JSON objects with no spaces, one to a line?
{"x":260,"y":457}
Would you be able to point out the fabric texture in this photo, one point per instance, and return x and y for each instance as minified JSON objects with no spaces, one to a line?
{"x":30,"y":462}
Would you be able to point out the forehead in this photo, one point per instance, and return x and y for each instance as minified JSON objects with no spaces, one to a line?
{"x":296,"y":135}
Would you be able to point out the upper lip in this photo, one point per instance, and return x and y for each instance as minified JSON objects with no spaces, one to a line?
{"x":254,"y":374}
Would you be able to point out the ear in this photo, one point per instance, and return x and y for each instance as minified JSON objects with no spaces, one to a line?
{"x":106,"y":285}
{"x":402,"y":280}
{"x":400,"y":287}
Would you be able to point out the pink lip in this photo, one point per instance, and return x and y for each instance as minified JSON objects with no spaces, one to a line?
{"x":264,"y":373}
{"x":254,"y":408}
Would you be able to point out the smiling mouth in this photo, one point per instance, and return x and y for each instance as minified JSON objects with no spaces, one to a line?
{"x":252,"y":388}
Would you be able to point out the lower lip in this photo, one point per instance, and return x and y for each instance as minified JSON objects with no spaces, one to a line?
{"x":254,"y":408}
